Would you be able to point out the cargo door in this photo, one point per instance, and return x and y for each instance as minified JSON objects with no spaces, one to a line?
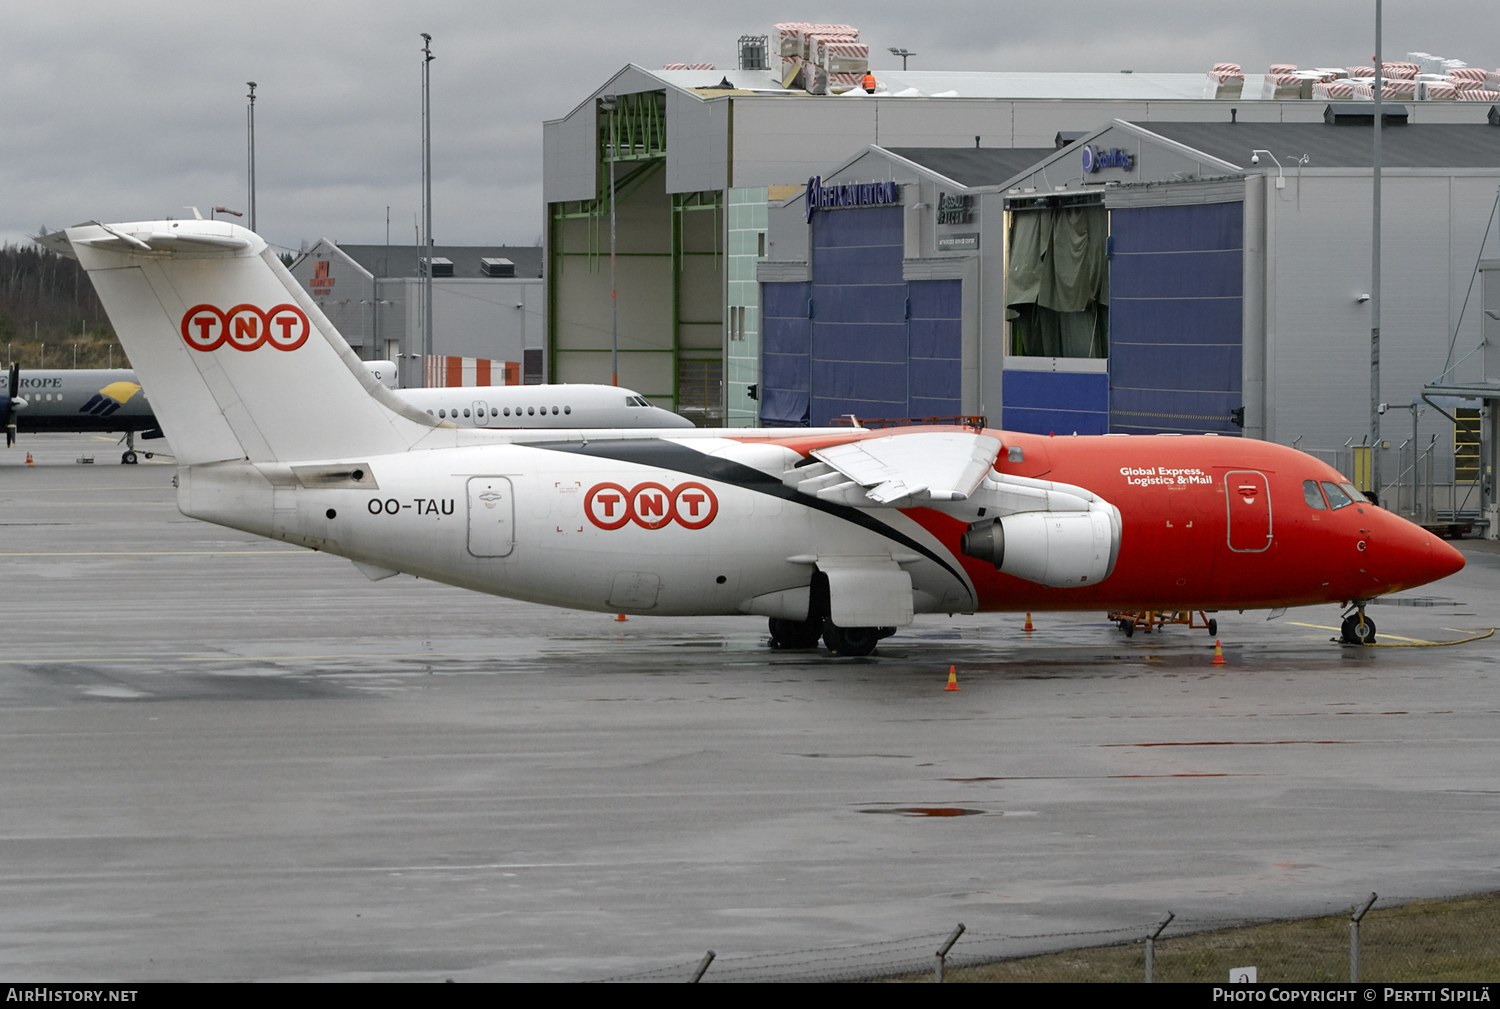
{"x":1248,"y":497}
{"x":492,"y":516}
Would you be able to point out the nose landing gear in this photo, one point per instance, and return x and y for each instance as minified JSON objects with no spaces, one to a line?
{"x":1357,"y":628}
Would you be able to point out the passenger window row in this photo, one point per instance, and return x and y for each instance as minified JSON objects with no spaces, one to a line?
{"x":497,"y":412}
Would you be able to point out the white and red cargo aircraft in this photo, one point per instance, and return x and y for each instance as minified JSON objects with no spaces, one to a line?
{"x":838,"y":534}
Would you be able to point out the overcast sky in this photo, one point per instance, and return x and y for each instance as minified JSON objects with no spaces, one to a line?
{"x":131,"y":111}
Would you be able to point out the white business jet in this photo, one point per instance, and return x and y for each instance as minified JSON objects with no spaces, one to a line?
{"x":839,"y":534}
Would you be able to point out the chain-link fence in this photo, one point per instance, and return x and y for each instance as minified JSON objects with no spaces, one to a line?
{"x":1453,"y":940}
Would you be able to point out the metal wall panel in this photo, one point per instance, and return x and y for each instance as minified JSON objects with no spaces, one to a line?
{"x":569,"y":159}
{"x":782,"y":141}
{"x":934,"y":122}
{"x":1432,"y":227}
{"x":697,"y":143}
{"x":859,"y":332}
{"x":1176,"y":280}
{"x":1056,"y":402}
{"x":785,"y":346}
{"x":935,"y":342}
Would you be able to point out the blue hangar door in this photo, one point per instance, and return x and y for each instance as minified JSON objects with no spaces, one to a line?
{"x":1176,"y":311}
{"x":858,"y":339}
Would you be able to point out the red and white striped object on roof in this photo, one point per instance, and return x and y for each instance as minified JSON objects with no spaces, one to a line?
{"x":789,"y":37}
{"x":1439,"y":91}
{"x":1402,"y":71}
{"x":1335,"y":89}
{"x":689,"y":66}
{"x":1282,"y":68}
{"x":1477,"y":95}
{"x":448,"y":372}
{"x":1468,"y":74}
{"x":845,"y":47}
{"x":1361,"y":71}
{"x":1228,"y":68}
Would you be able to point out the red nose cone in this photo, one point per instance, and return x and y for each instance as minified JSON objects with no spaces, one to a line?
{"x":1445,"y":560}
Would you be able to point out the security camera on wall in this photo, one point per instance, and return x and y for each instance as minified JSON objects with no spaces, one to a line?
{"x":1255,"y":159}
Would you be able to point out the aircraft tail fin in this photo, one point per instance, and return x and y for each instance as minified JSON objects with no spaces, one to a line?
{"x":237,"y":360}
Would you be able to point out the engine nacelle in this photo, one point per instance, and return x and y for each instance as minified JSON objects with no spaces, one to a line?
{"x":1056,"y":549}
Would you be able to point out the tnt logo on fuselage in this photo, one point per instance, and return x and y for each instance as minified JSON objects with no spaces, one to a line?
{"x":245,"y":327}
{"x":650,"y":505}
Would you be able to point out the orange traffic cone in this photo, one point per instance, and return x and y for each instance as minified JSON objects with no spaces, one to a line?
{"x":1218,"y":654}
{"x":1028,"y":623}
{"x":620,"y":618}
{"x":28,"y":459}
{"x":952,"y":678}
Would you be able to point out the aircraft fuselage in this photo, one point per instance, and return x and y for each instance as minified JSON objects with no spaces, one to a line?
{"x":662,"y":524}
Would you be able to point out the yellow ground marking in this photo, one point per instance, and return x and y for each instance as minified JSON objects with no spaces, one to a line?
{"x":1410,"y":642}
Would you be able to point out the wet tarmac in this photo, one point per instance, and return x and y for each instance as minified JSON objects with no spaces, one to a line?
{"x":226,"y":758}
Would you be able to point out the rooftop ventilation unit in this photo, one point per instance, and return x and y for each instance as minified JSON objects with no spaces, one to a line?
{"x":755,"y":52}
{"x":441,"y":267}
{"x":493,"y":266}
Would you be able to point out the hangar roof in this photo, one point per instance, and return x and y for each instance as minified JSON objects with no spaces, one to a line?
{"x":974,"y":166}
{"x":1417,"y":145}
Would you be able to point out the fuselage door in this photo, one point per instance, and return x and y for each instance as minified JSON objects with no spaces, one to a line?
{"x":1248,"y":497}
{"x":492,"y":517}
{"x":481,"y":413}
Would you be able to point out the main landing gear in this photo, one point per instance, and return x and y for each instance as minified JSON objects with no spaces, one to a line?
{"x":1357,"y":628}
{"x":840,"y":640}
{"x":129,"y":458}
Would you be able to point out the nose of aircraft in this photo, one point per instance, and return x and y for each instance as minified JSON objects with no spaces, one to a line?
{"x":1418,"y":555}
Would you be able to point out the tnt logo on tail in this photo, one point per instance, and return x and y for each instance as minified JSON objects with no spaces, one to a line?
{"x":244,"y":327}
{"x":109,"y":399}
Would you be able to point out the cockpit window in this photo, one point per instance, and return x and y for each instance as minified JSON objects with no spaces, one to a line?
{"x":1313,"y":495}
{"x":636,"y":401}
{"x":1336,"y":497}
{"x":1354,"y":493}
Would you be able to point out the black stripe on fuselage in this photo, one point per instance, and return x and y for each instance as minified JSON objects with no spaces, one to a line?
{"x":663,"y":454}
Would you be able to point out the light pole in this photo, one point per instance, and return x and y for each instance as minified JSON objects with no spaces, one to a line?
{"x":904,"y":54}
{"x":609,"y":103}
{"x":1375,"y":275}
{"x":427,"y":59}
{"x":250,"y":149}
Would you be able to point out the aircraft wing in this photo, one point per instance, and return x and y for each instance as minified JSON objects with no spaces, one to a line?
{"x":898,"y":469}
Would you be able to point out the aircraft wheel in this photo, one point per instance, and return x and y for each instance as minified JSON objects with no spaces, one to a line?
{"x":1357,"y":633}
{"x":1128,"y":626}
{"x":128,"y":459}
{"x":850,"y":640}
{"x":795,"y":633}
{"x":1213,"y":627}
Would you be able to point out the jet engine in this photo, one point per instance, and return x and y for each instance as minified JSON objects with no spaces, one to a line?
{"x":1059,"y":549}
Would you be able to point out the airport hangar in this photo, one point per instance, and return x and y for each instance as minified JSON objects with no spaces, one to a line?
{"x":1146,"y":277}
{"x":699,"y":166}
{"x":488,"y":304}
